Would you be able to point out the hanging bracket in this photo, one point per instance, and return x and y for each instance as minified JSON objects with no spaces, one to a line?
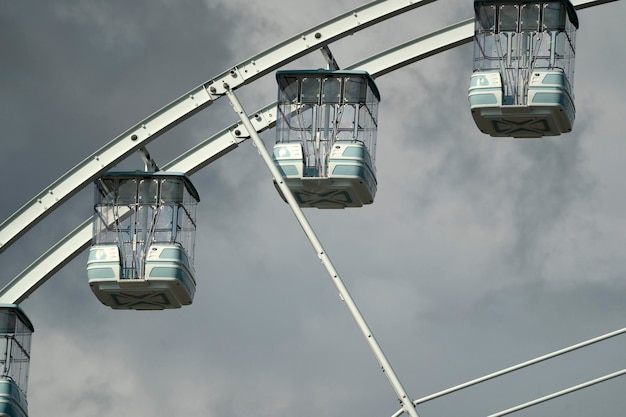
{"x":149,"y":164}
{"x":330,"y":59}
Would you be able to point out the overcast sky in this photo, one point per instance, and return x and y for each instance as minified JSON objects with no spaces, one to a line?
{"x":477,"y":254}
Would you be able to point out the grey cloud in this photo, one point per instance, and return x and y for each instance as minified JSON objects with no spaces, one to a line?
{"x":477,"y":254}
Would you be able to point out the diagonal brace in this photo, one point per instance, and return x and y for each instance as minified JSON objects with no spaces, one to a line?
{"x":407,"y":403}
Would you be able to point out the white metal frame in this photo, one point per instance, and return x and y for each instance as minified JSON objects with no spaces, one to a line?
{"x":344,"y":294}
{"x":211,"y":149}
{"x":218,"y":145}
{"x":191,"y":103}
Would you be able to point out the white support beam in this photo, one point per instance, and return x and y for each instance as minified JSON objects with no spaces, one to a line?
{"x":223,"y":142}
{"x":191,"y":103}
{"x":420,"y":48}
{"x":514,"y":368}
{"x":559,"y":393}
{"x":50,"y":262}
{"x":213,"y":148}
{"x":322,"y":254}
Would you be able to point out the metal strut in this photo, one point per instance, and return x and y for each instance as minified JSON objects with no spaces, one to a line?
{"x":330,"y":59}
{"x":407,"y":403}
{"x":149,"y":164}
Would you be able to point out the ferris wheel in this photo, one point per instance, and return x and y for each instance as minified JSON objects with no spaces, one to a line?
{"x":142,"y":234}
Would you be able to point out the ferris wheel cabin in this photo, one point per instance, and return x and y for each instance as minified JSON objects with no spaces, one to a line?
{"x":326,"y":136}
{"x":522,"y":84}
{"x":144,"y":236}
{"x":16,"y":332}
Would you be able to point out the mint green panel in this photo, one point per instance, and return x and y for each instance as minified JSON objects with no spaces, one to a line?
{"x":349,"y":170}
{"x":99,"y":272}
{"x":550,"y":98}
{"x":287,"y":170}
{"x":479,"y":81}
{"x":558,"y":79}
{"x":354,"y":152}
{"x":12,"y":399}
{"x":483,"y":99}
{"x":172,"y":253}
{"x":167,"y":272}
{"x":177,"y":272}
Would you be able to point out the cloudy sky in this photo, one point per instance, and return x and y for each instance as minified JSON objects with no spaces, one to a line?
{"x":477,"y":253}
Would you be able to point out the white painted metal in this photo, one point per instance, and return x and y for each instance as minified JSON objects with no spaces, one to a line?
{"x":79,"y":239}
{"x":198,"y":157}
{"x":225,"y":141}
{"x":513,"y":368}
{"x":197,"y":99}
{"x":344,"y":294}
{"x":149,"y":163}
{"x":38,"y":272}
{"x":559,"y":393}
{"x":423,"y":47}
{"x":330,"y":59}
{"x":99,"y":162}
{"x":187,"y":105}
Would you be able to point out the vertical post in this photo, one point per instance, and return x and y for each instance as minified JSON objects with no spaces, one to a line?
{"x":405,"y":400}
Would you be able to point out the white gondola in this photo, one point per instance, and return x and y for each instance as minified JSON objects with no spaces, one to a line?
{"x":524,"y":51}
{"x":144,"y":236}
{"x":15,"y":338}
{"x":326,"y":136}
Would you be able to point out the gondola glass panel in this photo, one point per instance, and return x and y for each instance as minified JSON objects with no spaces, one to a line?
{"x":144,"y":236}
{"x":15,"y":338}
{"x":326,"y":136}
{"x":524,"y":51}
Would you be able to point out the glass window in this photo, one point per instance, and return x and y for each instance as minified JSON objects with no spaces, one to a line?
{"x":172,"y":190}
{"x":509,"y":15}
{"x":331,"y":90}
{"x":554,"y":15}
{"x":310,"y":90}
{"x":105,"y":191}
{"x":530,"y":17}
{"x":288,"y":89}
{"x":486,"y":15}
{"x":148,"y":191}
{"x":165,"y":228}
{"x":355,"y":90}
{"x":302,"y":121}
{"x":15,"y":339}
{"x":328,"y":118}
{"x":127,"y":191}
{"x":105,"y":230}
{"x":346,"y":119}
